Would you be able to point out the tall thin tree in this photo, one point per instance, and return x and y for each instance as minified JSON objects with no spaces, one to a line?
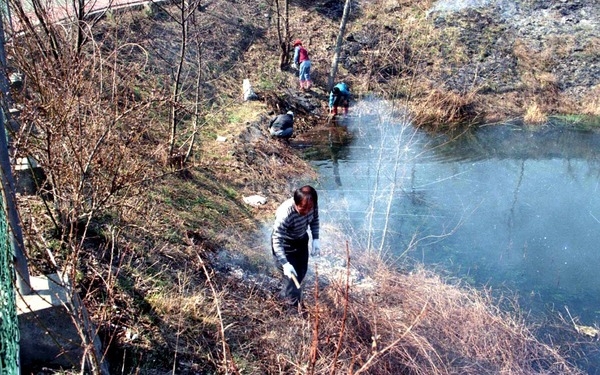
{"x":338,"y":45}
{"x":283,"y":35}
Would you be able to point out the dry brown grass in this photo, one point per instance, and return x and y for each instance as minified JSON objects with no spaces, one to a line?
{"x":592,"y":48}
{"x":534,"y":115}
{"x":540,"y":86}
{"x":532,"y":59}
{"x":591,"y":103}
{"x":383,"y":322}
{"x":444,"y":110}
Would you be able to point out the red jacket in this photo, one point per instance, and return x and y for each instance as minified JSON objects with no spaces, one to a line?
{"x":300,"y":54}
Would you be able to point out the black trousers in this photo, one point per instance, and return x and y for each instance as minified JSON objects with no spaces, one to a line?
{"x":340,"y":101}
{"x":296,"y":252}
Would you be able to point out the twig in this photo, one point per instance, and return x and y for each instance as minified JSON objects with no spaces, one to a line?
{"x":345,"y":315}
{"x":222,"y":331}
{"x":568,"y":312}
{"x":315,"y":339}
{"x":390,"y":346}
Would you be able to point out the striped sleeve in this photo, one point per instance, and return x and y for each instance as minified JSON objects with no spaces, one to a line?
{"x":289,"y":225}
{"x":314,"y":224}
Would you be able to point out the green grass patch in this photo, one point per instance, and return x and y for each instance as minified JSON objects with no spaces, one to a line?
{"x":583,"y":122}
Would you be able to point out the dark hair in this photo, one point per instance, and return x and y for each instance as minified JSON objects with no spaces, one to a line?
{"x":305,"y":192}
{"x":336,"y":91}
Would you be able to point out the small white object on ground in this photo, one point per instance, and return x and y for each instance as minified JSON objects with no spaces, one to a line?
{"x":249,"y":93}
{"x":221,"y":139}
{"x":255,"y":200}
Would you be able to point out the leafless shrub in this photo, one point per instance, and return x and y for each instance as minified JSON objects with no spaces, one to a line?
{"x":592,"y":48}
{"x":84,"y":119}
{"x":562,"y":46}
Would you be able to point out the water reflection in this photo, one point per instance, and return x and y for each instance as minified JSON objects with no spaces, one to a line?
{"x":518,"y":142}
{"x":505,"y":205}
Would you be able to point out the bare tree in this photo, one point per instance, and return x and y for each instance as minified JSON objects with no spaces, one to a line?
{"x":283,"y":34}
{"x":197,"y":101}
{"x":186,"y":10}
{"x":83,"y":122}
{"x":338,"y":46}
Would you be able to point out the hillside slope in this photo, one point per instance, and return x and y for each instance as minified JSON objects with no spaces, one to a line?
{"x":499,"y":57}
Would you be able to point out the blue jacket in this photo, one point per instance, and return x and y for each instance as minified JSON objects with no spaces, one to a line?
{"x":344,"y":92}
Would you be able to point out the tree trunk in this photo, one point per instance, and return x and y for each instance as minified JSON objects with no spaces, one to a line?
{"x":177,"y":84}
{"x":286,"y":34}
{"x":283,"y":35}
{"x":190,"y":150}
{"x":338,"y":46}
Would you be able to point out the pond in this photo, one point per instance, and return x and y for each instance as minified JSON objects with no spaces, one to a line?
{"x":504,"y":206}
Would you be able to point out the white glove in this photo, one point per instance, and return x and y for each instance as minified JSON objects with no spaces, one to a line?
{"x":289,"y":270}
{"x":316,"y":248}
{"x":294,"y":66}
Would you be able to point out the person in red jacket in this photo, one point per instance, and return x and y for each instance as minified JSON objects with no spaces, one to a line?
{"x":302,"y":63}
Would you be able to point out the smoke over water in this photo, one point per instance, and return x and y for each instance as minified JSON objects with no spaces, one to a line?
{"x":364,"y":184}
{"x":504,"y":206}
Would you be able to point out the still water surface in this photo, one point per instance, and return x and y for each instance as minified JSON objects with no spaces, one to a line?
{"x":503,"y":206}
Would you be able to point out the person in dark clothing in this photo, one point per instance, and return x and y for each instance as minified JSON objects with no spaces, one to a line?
{"x":282,"y":126}
{"x":339,"y":97}
{"x":289,"y":239}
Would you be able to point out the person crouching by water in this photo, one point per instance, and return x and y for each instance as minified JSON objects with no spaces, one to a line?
{"x":289,"y":240}
{"x":282,"y":126}
{"x":339,"y":97}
